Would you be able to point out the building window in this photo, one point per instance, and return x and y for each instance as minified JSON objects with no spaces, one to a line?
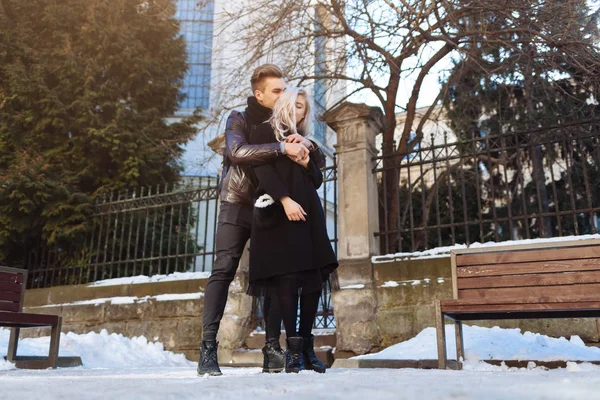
{"x":320,"y":90}
{"x":196,"y":21}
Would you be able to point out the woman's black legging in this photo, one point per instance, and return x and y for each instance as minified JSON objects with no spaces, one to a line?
{"x":272,"y":319}
{"x":288,"y":304}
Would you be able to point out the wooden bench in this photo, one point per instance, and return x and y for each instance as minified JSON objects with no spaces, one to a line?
{"x":544,"y":280}
{"x":12,"y":291}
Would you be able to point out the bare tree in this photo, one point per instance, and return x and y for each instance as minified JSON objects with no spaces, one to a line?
{"x":380,"y":46}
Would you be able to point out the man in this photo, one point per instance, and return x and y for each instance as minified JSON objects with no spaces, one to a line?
{"x":235,"y":216}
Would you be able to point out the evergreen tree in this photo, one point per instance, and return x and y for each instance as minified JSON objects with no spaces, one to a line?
{"x":526,"y":91}
{"x":85,"y":87}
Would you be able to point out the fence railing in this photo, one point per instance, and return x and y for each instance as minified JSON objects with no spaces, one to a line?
{"x":328,"y":193}
{"x":152,"y":231}
{"x":495,"y":187}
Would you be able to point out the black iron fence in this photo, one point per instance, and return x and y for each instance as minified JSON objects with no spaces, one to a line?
{"x":153,"y":231}
{"x":328,"y":193}
{"x":494,"y":187}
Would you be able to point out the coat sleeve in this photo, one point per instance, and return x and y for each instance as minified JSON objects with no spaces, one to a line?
{"x":270,"y":181}
{"x":317,"y":156}
{"x":239,"y":151}
{"x":315,"y":174}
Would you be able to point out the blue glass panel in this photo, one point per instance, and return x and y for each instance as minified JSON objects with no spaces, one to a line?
{"x":196,"y":21}
{"x":320,"y":90}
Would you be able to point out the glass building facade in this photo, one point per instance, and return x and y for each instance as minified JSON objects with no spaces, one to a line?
{"x":196,"y":20}
{"x":320,"y":89}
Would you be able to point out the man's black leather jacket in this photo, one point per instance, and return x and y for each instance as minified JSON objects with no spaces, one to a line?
{"x":239,"y":182}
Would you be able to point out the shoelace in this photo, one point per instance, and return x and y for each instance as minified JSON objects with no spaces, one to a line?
{"x":212,"y":357}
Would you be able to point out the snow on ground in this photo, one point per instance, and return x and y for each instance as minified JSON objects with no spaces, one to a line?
{"x":343,"y":384}
{"x":98,"y":350}
{"x":118,"y":367}
{"x":445,"y":251}
{"x":133,"y":280}
{"x":491,"y":344}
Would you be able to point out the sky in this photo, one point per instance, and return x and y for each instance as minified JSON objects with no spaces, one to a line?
{"x":431,"y":84}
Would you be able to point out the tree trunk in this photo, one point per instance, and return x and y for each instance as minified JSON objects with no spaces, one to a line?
{"x":537,"y":158}
{"x":391,"y":204}
{"x":391,"y":182}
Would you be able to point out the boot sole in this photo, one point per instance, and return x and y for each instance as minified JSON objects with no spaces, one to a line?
{"x":272,"y":370}
{"x":210,"y":374}
{"x":318,"y":370}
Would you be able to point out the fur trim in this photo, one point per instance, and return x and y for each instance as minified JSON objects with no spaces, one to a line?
{"x":264,"y":201}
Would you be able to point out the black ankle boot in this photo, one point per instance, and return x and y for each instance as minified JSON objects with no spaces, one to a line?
{"x":311,"y":361}
{"x":208,"y":364}
{"x":294,"y":361}
{"x":274,"y":357}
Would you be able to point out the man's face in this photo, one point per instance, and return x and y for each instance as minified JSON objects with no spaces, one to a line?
{"x":274,"y":87}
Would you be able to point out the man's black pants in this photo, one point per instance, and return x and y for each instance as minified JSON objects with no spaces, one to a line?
{"x":233,"y":231}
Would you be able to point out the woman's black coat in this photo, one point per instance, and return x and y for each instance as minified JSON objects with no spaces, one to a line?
{"x":289,"y":247}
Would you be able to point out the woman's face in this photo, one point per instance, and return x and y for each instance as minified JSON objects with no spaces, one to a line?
{"x":300,"y":108}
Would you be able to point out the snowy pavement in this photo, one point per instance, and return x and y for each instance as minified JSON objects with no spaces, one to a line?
{"x":116,"y":367}
{"x":249,"y":383}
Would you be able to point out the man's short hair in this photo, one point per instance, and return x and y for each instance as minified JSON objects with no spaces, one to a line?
{"x":260,"y":74}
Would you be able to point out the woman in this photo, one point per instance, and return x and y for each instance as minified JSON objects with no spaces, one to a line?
{"x":291,"y":255}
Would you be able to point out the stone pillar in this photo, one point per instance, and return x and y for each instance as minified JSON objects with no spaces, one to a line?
{"x":355,"y":303}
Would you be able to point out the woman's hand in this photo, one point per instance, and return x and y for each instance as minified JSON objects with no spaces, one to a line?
{"x":304,"y":161}
{"x":292,"y":209}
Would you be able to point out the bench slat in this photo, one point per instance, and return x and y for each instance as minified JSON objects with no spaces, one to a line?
{"x":8,"y":277}
{"x":11,"y":287}
{"x":10,"y":296}
{"x":522,"y":307}
{"x":521,"y":256}
{"x":523,"y":300}
{"x":529,"y":268}
{"x":531,"y":291}
{"x":27,"y":319}
{"x":565,"y":278}
{"x":8,"y":306}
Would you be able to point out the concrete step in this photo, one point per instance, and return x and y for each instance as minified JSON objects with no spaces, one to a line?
{"x":254,"y":357}
{"x":323,"y":337}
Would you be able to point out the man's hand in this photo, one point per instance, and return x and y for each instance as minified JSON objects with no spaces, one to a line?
{"x":296,"y":151}
{"x":293,"y":210}
{"x":297,"y":138}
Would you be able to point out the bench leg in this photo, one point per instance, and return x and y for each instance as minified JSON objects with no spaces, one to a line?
{"x":13,"y":343}
{"x":54,"y":344}
{"x":441,"y":336}
{"x":460,"y":344}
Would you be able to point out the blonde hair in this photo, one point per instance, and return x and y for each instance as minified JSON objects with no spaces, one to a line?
{"x":284,"y":120}
{"x":260,"y":74}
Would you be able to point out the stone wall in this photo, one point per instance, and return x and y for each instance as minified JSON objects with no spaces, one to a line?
{"x":392,"y":307}
{"x":169,"y":312}
{"x":404,"y":294}
{"x":166,"y":311}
